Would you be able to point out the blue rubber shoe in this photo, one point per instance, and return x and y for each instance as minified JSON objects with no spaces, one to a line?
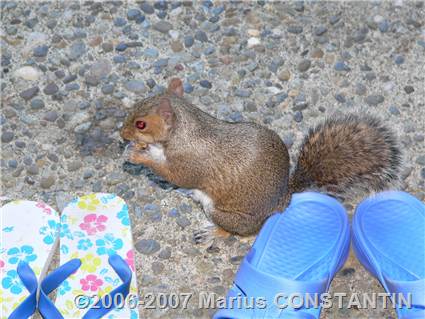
{"x":389,"y":240}
{"x":296,"y":253}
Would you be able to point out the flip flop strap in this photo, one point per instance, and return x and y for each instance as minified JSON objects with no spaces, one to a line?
{"x":52,"y":281}
{"x":28,"y":306}
{"x":124,"y":272}
{"x":55,"y":279}
{"x":416,"y":289}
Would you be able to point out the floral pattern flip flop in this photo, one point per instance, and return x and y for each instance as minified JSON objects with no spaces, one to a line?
{"x":29,"y":234}
{"x":94,"y":227}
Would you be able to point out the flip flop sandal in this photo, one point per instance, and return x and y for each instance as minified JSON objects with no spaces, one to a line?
{"x":296,"y":253}
{"x":389,"y":240}
{"x":97,"y":262}
{"x":29,"y":236}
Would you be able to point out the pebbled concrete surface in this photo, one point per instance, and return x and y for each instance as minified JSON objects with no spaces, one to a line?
{"x":71,"y":70}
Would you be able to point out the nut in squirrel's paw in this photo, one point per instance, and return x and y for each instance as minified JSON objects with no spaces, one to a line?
{"x":140,"y":146}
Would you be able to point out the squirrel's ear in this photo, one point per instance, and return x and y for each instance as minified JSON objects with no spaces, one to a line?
{"x":176,"y":87}
{"x":165,"y":110}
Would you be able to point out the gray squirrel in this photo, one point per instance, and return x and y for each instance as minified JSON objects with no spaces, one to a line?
{"x":240,"y":171}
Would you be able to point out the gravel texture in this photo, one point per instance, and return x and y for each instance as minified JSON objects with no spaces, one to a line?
{"x":71,"y":71}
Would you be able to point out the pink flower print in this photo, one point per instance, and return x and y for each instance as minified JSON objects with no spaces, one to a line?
{"x":2,"y":264}
{"x":45,"y":208}
{"x":130,"y":259}
{"x":91,"y":282}
{"x":93,"y":223}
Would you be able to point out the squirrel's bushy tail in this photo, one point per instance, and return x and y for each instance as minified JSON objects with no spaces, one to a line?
{"x":347,"y":155}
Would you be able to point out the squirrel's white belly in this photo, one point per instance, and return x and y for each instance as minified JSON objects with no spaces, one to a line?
{"x":156,"y":152}
{"x":206,"y":201}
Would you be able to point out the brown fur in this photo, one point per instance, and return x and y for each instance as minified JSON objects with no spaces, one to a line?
{"x":347,"y":154}
{"x":244,"y":167}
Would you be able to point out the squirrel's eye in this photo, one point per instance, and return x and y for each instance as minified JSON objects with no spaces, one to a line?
{"x":140,"y":125}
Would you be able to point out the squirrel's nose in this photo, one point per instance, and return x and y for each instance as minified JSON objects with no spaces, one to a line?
{"x":126,"y":134}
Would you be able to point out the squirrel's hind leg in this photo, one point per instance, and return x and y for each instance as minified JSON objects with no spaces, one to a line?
{"x":237,"y":223}
{"x":225,"y":224}
{"x":207,"y":234}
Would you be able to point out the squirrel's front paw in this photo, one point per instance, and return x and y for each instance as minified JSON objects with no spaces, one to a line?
{"x":135,"y":154}
{"x":135,"y":157}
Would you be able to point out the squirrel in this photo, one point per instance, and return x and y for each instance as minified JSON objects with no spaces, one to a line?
{"x":240,"y":171}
